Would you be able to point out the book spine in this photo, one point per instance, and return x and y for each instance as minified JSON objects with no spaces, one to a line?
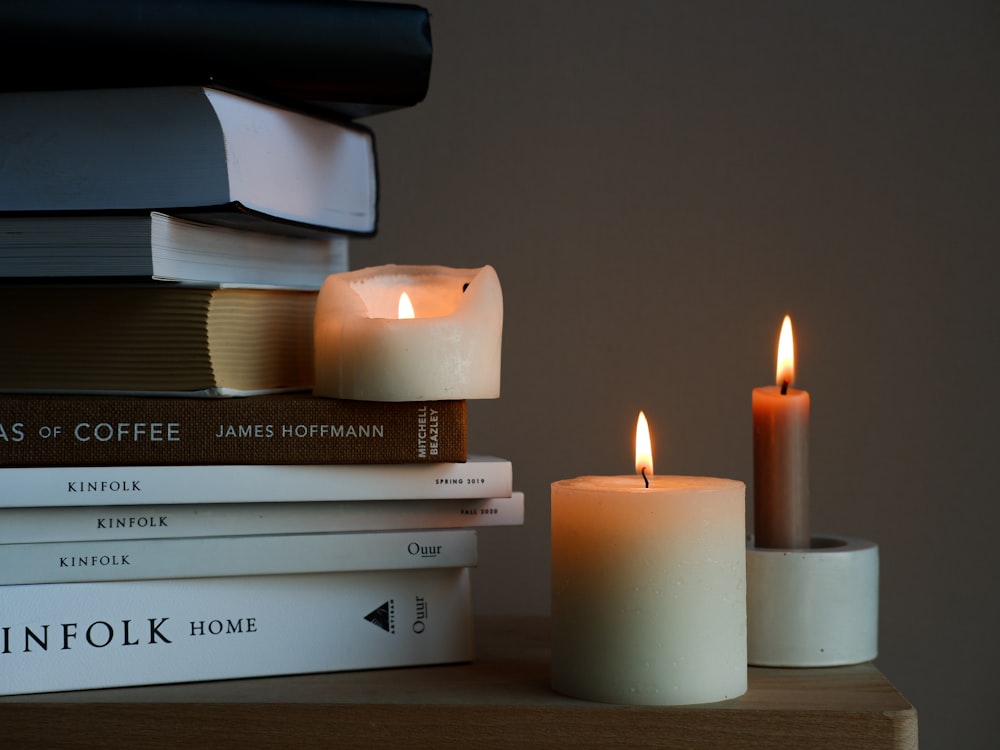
{"x":56,"y":637}
{"x":253,"y":483}
{"x":54,"y":524}
{"x":63,"y":430}
{"x":267,"y":554}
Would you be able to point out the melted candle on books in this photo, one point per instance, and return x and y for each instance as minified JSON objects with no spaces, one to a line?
{"x":649,"y":586}
{"x":409,"y":333}
{"x":781,"y":455}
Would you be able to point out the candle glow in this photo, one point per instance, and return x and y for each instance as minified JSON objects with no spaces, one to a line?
{"x":406,"y":311}
{"x":643,"y":448}
{"x":785,"y":372}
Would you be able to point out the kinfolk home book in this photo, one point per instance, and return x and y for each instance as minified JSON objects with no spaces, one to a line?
{"x":347,"y":59}
{"x":159,"y":246}
{"x":76,"y":636}
{"x":90,"y":430}
{"x":264,"y":554}
{"x":104,"y":522}
{"x":222,"y":157}
{"x":480,"y":476}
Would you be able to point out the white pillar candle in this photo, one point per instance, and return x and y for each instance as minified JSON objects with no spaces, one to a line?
{"x":449,"y":349}
{"x":649,"y":588}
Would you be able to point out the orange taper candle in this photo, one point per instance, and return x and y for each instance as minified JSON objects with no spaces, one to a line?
{"x":781,"y":456}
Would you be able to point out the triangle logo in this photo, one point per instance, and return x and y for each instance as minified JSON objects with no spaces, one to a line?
{"x":383,"y":616}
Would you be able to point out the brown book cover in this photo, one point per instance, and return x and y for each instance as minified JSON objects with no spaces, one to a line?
{"x":294,"y":428}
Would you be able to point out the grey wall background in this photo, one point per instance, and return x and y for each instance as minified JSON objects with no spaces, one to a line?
{"x":657,"y":183}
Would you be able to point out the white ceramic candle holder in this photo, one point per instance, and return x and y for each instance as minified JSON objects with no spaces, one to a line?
{"x":815,"y":607}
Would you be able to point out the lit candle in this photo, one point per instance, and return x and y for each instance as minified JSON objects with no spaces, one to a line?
{"x":781,"y":456}
{"x":649,"y":586}
{"x":442,"y":342}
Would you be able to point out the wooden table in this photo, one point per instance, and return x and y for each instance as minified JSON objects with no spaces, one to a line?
{"x":502,"y":700}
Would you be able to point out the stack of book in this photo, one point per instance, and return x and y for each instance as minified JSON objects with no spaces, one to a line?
{"x":175,"y":503}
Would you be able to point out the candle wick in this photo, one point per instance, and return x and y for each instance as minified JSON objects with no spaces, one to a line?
{"x":784,"y":387}
{"x":644,"y":477}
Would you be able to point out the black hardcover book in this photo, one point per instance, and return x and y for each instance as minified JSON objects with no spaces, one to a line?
{"x":343,"y":58}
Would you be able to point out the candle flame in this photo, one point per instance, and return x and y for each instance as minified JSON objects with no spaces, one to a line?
{"x":785,"y":372}
{"x":643,"y":448}
{"x":405,"y":307}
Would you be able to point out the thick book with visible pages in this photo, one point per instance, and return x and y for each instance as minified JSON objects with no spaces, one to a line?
{"x":480,"y":476}
{"x":102,"y":522}
{"x":77,"y":636}
{"x":155,"y":339}
{"x":187,"y":150}
{"x":347,"y":59}
{"x":159,"y":246}
{"x":289,"y":428}
{"x":258,"y":554}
